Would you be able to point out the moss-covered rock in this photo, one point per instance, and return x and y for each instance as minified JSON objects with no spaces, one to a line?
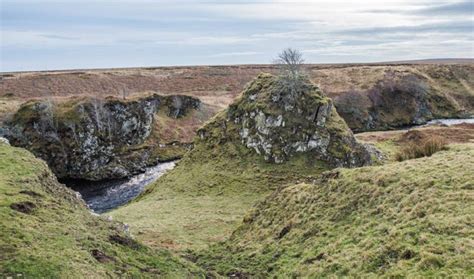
{"x":278,"y":124}
{"x":95,"y":139}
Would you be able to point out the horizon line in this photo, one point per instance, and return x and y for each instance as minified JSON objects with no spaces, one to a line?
{"x":396,"y":62}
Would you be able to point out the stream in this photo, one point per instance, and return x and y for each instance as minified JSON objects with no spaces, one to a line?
{"x":450,"y":122}
{"x":102,"y":196}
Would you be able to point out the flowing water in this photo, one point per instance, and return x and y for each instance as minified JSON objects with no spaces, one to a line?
{"x":450,"y":122}
{"x":102,"y":196}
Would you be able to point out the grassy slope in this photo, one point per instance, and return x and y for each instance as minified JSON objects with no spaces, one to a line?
{"x":410,"y":218}
{"x":202,"y":200}
{"x":58,"y":237}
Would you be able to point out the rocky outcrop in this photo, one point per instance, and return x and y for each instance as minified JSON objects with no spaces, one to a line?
{"x":279,"y":125}
{"x":93,"y":139}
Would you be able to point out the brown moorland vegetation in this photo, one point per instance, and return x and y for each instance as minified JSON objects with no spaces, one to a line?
{"x":367,"y":96}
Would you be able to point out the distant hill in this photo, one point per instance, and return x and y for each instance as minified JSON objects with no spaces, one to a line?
{"x":416,"y":61}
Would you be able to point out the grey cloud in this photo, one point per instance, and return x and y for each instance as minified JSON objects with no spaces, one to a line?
{"x":459,"y":8}
{"x":449,"y":27}
{"x":58,"y":37}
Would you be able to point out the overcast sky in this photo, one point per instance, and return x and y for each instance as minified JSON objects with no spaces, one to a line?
{"x":46,"y":35}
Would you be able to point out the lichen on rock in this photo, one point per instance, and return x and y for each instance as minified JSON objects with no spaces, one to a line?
{"x":278,"y":125}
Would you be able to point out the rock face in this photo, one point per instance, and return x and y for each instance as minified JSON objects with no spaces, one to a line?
{"x":279,"y":125}
{"x":93,"y":139}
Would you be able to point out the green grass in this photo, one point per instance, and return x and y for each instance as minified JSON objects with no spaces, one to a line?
{"x":56,"y":239}
{"x":411,"y":218}
{"x":203,"y":199}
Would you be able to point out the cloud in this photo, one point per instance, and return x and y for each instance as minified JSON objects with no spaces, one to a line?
{"x":241,"y":53}
{"x":440,"y":27}
{"x":197,"y":40}
{"x":450,"y":9}
{"x":58,"y":37}
{"x":166,"y":32}
{"x":460,"y":8}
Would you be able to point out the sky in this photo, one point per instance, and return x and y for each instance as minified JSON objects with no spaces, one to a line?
{"x":73,"y":34}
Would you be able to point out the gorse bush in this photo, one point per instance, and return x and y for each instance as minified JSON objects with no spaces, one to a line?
{"x":422,"y":148}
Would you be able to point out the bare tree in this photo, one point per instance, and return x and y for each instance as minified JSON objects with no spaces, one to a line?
{"x":98,"y":106}
{"x":102,"y":116}
{"x":124,"y":92}
{"x":48,"y":116}
{"x":290,"y":62}
{"x":292,"y":77}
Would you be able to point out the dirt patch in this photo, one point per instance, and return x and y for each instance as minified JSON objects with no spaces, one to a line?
{"x":319,"y":257}
{"x":31,"y":193}
{"x":284,"y":231}
{"x":125,"y":241}
{"x":24,"y":207}
{"x":150,"y":270}
{"x":414,"y":136}
{"x":326,"y":176}
{"x":101,"y":256}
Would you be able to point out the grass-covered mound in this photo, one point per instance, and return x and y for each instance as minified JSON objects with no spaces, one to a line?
{"x":411,"y":218}
{"x":47,"y":232}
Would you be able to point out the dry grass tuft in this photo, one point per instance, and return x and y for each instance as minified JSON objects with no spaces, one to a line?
{"x":423,"y":147}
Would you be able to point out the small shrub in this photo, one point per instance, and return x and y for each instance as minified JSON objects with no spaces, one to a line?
{"x":423,"y":148}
